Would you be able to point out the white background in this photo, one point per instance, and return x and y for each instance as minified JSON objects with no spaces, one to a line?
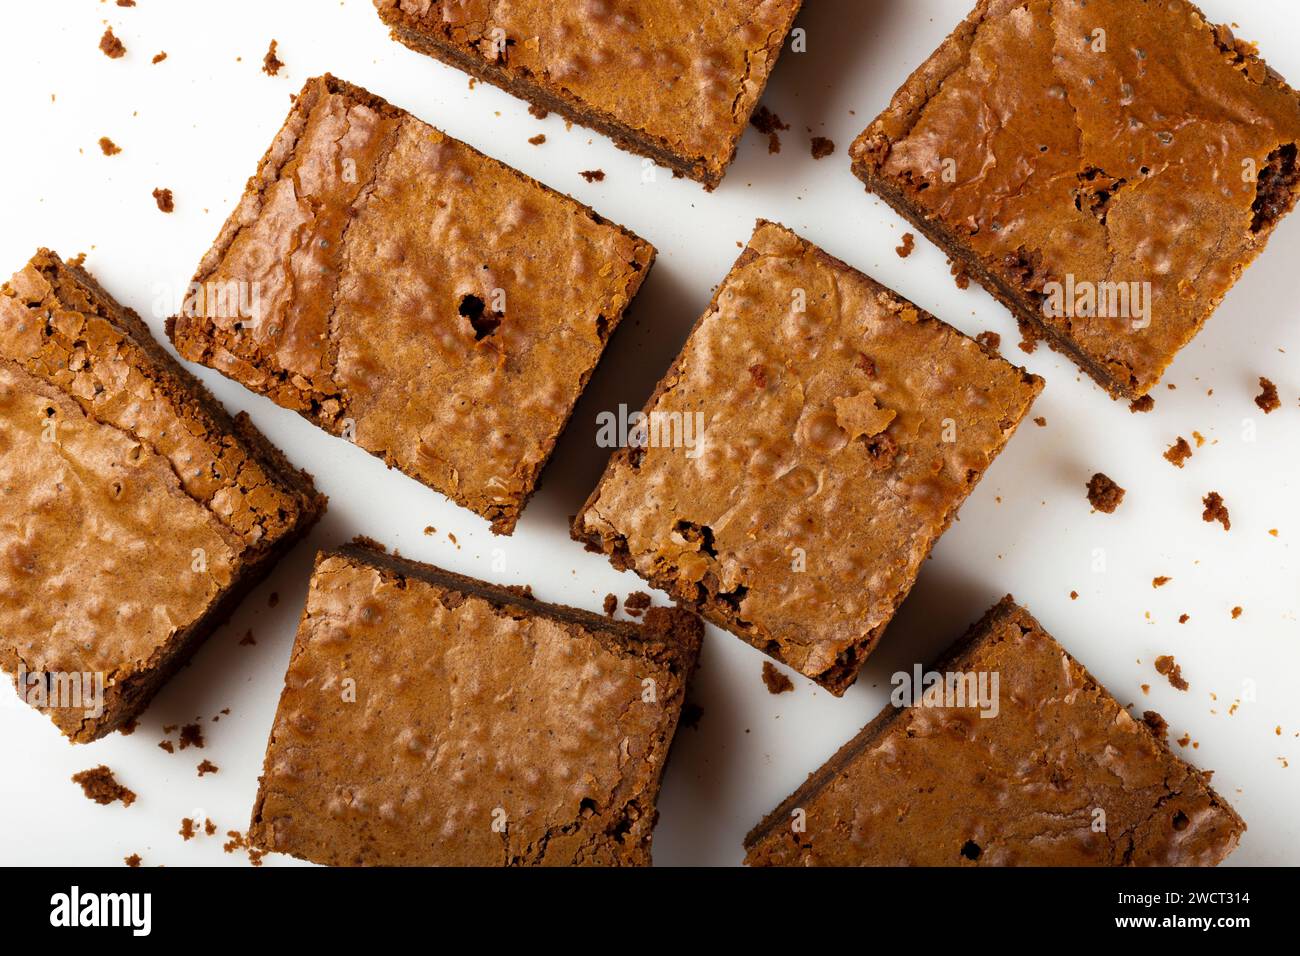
{"x":199,"y":122}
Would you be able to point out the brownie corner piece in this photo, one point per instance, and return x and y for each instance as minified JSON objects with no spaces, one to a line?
{"x":406,"y":292}
{"x":1006,"y":752}
{"x":429,"y":718}
{"x":798,"y":461}
{"x":136,"y":512}
{"x":1141,"y":160}
{"x":676,"y":83}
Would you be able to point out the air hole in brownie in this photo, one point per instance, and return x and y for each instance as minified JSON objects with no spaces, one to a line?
{"x":1180,"y":820}
{"x":587,"y":808}
{"x":602,"y":327}
{"x":697,"y":533}
{"x":1095,"y":191}
{"x":734,"y":598}
{"x":971,"y":850}
{"x":483,"y":322}
{"x":1276,"y":187}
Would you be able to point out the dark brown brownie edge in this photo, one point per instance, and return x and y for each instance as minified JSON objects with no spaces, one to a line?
{"x":716,"y":608}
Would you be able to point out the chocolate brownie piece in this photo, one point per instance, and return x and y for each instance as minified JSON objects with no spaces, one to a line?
{"x":1044,"y":769}
{"x":676,"y":82}
{"x":134,"y":512}
{"x":811,"y":442}
{"x":1106,"y":169}
{"x":404,"y":291}
{"x":432,"y":719}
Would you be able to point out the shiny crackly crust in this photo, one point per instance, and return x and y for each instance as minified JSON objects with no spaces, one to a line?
{"x":472,"y":703}
{"x":782,"y":511}
{"x":676,"y":81}
{"x":119,"y":472}
{"x":369,"y":238}
{"x":1045,"y":185}
{"x":944,"y":787}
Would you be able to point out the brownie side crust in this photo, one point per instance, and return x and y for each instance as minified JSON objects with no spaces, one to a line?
{"x":1060,"y":775}
{"x":487,"y":728}
{"x":457,"y":361}
{"x":647,"y":63}
{"x":141,"y":507}
{"x":1093,"y":190}
{"x":862,"y":456}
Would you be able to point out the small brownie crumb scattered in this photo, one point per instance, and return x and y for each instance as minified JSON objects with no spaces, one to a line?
{"x":1167,"y":667}
{"x":1216,"y":510}
{"x":1236,"y":612}
{"x":1178,"y":452}
{"x":191,"y":736}
{"x":611,"y":604}
{"x":163,"y":197}
{"x":112,"y":47}
{"x":187,"y":830}
{"x":1040,"y":421}
{"x":168,"y":746}
{"x":593,"y":175}
{"x":248,"y":640}
{"x":1160,"y":581}
{"x":1104,"y":494}
{"x":959,"y":274}
{"x":777,"y":683}
{"x":537,"y":140}
{"x":108,"y":147}
{"x":271,"y":64}
{"x":636,"y":603}
{"x":822,"y":147}
{"x":126,"y":3}
{"x":1267,"y":399}
{"x":133,"y":860}
{"x":1159,"y":726}
{"x":159,"y":58}
{"x":990,"y":340}
{"x":209,"y":828}
{"x":207,"y":767}
{"x":1143,"y":404}
{"x":101,"y":786}
{"x":1184,"y":618}
{"x":768,"y":123}
{"x":1074,"y":595}
{"x":909,"y":243}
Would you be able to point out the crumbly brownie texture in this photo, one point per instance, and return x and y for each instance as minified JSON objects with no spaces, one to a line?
{"x":134,"y":512}
{"x":473,"y":706}
{"x":99,"y":785}
{"x":1106,"y":167}
{"x":673,"y":81}
{"x":843,"y":427}
{"x":436,"y":306}
{"x":942,"y":786}
{"x":1104,"y":494}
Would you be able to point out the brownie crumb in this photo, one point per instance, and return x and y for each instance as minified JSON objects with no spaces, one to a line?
{"x":247,"y":640}
{"x":959,"y":274}
{"x":822,"y":147}
{"x":636,"y":603}
{"x":191,"y":736}
{"x":691,"y":714}
{"x":537,"y":140}
{"x":209,"y":828}
{"x":163,"y":197}
{"x":990,"y":340}
{"x":207,"y":767}
{"x":273,"y":599}
{"x":1216,"y":510}
{"x":1029,"y":336}
{"x":187,"y":830}
{"x":168,"y":746}
{"x":593,"y":175}
{"x":1159,"y":726}
{"x":1160,"y":581}
{"x":1040,"y":421}
{"x":1178,"y":452}
{"x":1184,"y":618}
{"x":777,"y":683}
{"x":1074,"y":595}
{"x":768,"y":123}
{"x":159,"y":58}
{"x":111,"y":46}
{"x":101,"y":786}
{"x":909,"y":243}
{"x":108,"y":147}
{"x":540,"y":112}
{"x":1167,"y":667}
{"x":1236,"y":612}
{"x":133,"y":861}
{"x":1144,"y":404}
{"x":611,"y":604}
{"x":1267,"y":398}
{"x":130,"y":727}
{"x":271,"y":64}
{"x":1104,"y":494}
{"x":126,"y":3}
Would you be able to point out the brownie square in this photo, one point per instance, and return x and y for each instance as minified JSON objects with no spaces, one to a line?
{"x":432,"y":719}
{"x":1106,"y":169}
{"x":814,"y":438}
{"x":134,"y":512}
{"x":408,"y":293}
{"x":676,"y":82}
{"x":1056,"y":774}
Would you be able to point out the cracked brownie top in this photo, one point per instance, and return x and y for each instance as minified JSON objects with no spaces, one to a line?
{"x":431,"y":719}
{"x":1041,"y":768}
{"x":1107,"y":168}
{"x":406,"y":292}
